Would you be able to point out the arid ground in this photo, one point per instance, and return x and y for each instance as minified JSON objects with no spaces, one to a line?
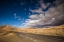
{"x":7,"y":33}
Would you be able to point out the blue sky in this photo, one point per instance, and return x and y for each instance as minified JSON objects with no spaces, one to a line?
{"x":9,"y":8}
{"x":20,"y":12}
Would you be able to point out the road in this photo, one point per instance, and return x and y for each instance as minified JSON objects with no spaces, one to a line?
{"x":39,"y":38}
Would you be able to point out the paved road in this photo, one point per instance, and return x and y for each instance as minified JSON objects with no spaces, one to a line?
{"x":39,"y":38}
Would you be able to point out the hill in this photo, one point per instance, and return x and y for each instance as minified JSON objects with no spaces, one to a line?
{"x":6,"y":34}
{"x":54,"y":31}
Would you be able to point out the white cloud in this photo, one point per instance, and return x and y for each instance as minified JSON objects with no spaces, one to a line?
{"x":25,"y":9}
{"x":54,"y":15}
{"x":22,"y":3}
{"x":42,"y":6}
{"x":31,"y":1}
{"x":33,"y":16}
{"x":29,"y":8}
{"x":29,"y":13}
{"x":36,"y":4}
{"x":39,"y":10}
{"x":15,"y":15}
{"x":18,"y":17}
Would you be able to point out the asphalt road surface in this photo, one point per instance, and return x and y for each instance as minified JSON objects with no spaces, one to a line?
{"x":39,"y":38}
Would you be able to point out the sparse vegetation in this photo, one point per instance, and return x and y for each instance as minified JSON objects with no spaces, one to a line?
{"x":7,"y":32}
{"x":54,"y":31}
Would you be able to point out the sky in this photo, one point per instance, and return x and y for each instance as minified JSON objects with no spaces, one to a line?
{"x":31,"y":13}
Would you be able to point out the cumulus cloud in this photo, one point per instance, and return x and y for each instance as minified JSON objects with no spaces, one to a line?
{"x":54,"y":15}
{"x":33,"y":16}
{"x":42,"y":6}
